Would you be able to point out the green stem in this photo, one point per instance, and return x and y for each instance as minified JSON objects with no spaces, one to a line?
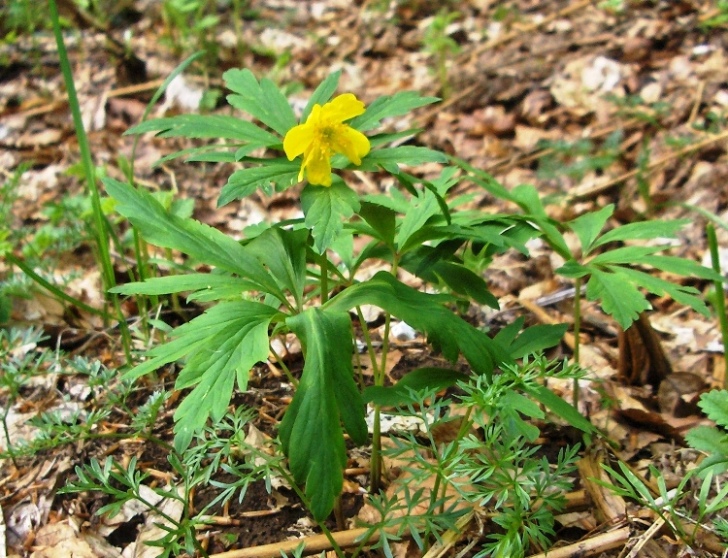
{"x":50,"y":287}
{"x":286,"y":370}
{"x":577,"y":335}
{"x":324,"y":280}
{"x":101,"y":229}
{"x":719,"y":297}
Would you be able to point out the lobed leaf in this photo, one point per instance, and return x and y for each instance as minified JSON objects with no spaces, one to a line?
{"x":388,"y":106}
{"x":715,"y":406}
{"x":263,"y":100}
{"x":215,"y":126}
{"x":201,"y":242}
{"x":244,"y":182}
{"x":618,"y":296}
{"x":327,"y":395}
{"x":588,"y":226}
{"x":643,"y":230}
{"x":325,"y":210}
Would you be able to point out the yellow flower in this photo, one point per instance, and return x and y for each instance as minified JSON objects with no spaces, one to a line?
{"x":325,"y":134}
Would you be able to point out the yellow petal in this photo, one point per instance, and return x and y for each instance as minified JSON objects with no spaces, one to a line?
{"x":297,"y":140}
{"x":351,"y":143}
{"x":318,"y":168}
{"x":342,"y":108}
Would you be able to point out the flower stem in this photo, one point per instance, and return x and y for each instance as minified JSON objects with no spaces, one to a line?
{"x":719,"y":297}
{"x":577,"y":335}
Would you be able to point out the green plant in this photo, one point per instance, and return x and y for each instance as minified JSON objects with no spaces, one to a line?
{"x":441,"y":46}
{"x":301,"y":276}
{"x":496,"y":469}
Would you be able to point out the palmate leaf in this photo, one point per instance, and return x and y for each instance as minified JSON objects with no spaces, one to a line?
{"x":427,"y":313}
{"x":390,"y":158}
{"x":200,"y":241}
{"x":588,"y":226}
{"x":221,"y":345}
{"x":643,"y":230}
{"x":715,"y":406}
{"x":263,"y":100}
{"x":388,"y":106}
{"x":617,"y":295}
{"x":244,"y":182}
{"x":325,"y":210}
{"x":189,"y":282}
{"x":216,"y":126}
{"x":327,"y":395}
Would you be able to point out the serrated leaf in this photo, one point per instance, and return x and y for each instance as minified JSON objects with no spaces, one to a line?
{"x":537,"y":338}
{"x":420,"y":379}
{"x":201,"y":242}
{"x":244,"y":182}
{"x":708,"y":439}
{"x":573,"y":269}
{"x":618,"y":296}
{"x":388,"y":106}
{"x":643,"y":230}
{"x":327,"y":395}
{"x":629,"y":255}
{"x":390,"y":158}
{"x":322,"y":94}
{"x":419,"y":210}
{"x":563,"y":409}
{"x":715,"y":406}
{"x":263,"y":101}
{"x":588,"y":226}
{"x":181,"y":283}
{"x":427,"y":313}
{"x":283,"y":252}
{"x":689,"y":296}
{"x":682,"y":266}
{"x":381,"y":219}
{"x":215,"y":126}
{"x":221,"y":345}
{"x":325,"y":210}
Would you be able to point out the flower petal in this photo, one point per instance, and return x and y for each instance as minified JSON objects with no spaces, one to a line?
{"x":351,"y":143}
{"x":318,"y":168}
{"x":342,"y":108}
{"x":297,"y":140}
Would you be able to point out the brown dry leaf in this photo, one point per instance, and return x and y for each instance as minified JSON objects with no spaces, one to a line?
{"x":610,"y":508}
{"x":61,"y":540}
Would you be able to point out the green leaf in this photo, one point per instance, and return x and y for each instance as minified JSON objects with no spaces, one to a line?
{"x":682,"y":266}
{"x":381,"y":219}
{"x":537,"y":338}
{"x":688,"y":296}
{"x":388,"y":106}
{"x":563,"y":409}
{"x":222,"y":344}
{"x":390,"y":158}
{"x":617,"y":295}
{"x":588,"y":226}
{"x":465,"y":282}
{"x":427,"y":313}
{"x":420,"y":379}
{"x":325,"y":209}
{"x":322,"y":94}
{"x":244,"y":182}
{"x":284,"y":253}
{"x":207,"y":126}
{"x":708,"y":439}
{"x":263,"y":101}
{"x":573,"y":269}
{"x":181,"y":283}
{"x":326,"y":396}
{"x":196,"y":239}
{"x":419,"y":211}
{"x":642,"y":231}
{"x":715,"y":405}
{"x":630,"y":255}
